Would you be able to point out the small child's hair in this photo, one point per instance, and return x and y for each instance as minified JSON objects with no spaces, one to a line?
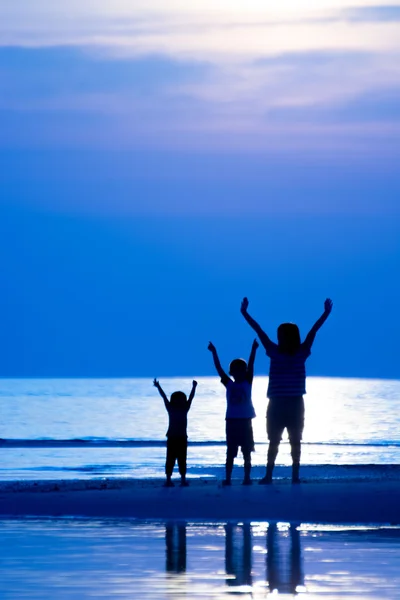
{"x":238,"y":365}
{"x":178,"y":399}
{"x":289,"y":338}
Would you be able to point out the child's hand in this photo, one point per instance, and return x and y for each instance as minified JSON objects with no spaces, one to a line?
{"x":256,"y":344}
{"x":194,"y":383}
{"x":244,"y":306}
{"x":156,"y":383}
{"x":211,"y":347}
{"x":328,"y":306}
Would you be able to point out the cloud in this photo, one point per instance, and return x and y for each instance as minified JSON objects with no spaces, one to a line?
{"x":212,"y":31}
{"x":374,"y":106}
{"x":48,"y":72}
{"x":324,"y":80}
{"x":325,"y":103}
{"x":198,"y":79}
{"x":373,"y":14}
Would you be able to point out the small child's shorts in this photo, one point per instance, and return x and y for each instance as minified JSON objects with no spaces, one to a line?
{"x":239,"y":434}
{"x":176,"y":451}
{"x":285,"y":412}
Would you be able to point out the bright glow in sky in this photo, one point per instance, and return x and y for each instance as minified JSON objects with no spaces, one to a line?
{"x":301,"y":75}
{"x":208,"y":110}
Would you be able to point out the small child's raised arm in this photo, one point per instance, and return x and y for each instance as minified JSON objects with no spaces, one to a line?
{"x":264,"y":339}
{"x":252,"y":357}
{"x":192,"y":393}
{"x":217,"y":363}
{"x":318,"y":324}
{"x":161,"y":392}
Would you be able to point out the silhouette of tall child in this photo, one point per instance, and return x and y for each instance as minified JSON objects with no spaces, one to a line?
{"x":287,"y":385}
{"x":239,"y":410}
{"x":177,"y":407}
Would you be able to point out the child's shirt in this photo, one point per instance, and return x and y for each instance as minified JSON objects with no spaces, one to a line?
{"x":239,"y":404}
{"x":287,"y":372}
{"x":177,"y":422}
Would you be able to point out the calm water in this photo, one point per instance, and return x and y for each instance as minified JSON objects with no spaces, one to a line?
{"x":348,"y":421}
{"x":110,"y":559}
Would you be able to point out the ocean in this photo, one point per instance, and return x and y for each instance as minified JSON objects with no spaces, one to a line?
{"x":95,"y":428}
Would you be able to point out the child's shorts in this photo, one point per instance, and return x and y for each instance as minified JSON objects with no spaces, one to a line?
{"x":176,"y":450}
{"x":285,"y":413}
{"x":239,"y":434}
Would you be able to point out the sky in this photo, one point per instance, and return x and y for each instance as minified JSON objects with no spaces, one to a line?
{"x":159,"y":161}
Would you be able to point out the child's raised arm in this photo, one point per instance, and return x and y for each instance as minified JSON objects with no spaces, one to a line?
{"x":161,"y":392}
{"x":224,"y":377}
{"x":318,"y":324}
{"x":264,"y":339}
{"x":192,"y":393}
{"x":252,"y":357}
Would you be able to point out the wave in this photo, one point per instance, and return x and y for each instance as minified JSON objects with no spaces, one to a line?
{"x":138,"y":443}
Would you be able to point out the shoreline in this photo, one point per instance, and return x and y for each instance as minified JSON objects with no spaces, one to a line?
{"x":355,"y":501}
{"x":215,"y":472}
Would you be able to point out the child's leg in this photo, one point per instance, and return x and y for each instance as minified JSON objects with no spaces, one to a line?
{"x":230,"y":457}
{"x":170,"y":461}
{"x":295,"y":430}
{"x":275,"y":427}
{"x":182,"y":460}
{"x":273,"y":449}
{"x":231,"y":450}
{"x":247,"y":449}
{"x":247,"y":467}
{"x":295,"y":450}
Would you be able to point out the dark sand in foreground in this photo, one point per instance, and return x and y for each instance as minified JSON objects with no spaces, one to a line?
{"x":351,"y":501}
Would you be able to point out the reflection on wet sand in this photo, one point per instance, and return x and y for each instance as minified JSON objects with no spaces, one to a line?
{"x":81,"y":558}
{"x":284,"y":566}
{"x":238,"y":557}
{"x":175,"y":548}
{"x":284,"y":563}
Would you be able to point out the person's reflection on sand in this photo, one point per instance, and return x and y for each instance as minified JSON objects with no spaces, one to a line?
{"x":284,"y":566}
{"x":175,"y":548}
{"x":238,"y":561}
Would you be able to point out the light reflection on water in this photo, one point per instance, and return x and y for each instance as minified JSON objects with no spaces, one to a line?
{"x":104,"y":559}
{"x":337,"y":409}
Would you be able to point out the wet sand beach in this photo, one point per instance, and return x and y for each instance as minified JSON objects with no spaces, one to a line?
{"x":351,"y":501}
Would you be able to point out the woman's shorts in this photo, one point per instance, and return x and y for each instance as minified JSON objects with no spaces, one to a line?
{"x":285,"y":413}
{"x":239,"y":434}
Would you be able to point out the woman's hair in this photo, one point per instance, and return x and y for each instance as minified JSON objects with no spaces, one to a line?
{"x":178,"y":399}
{"x":288,"y":338}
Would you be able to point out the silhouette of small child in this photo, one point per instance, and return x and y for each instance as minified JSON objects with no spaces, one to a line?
{"x":239,"y":411}
{"x":177,"y":407}
{"x":287,"y":381}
